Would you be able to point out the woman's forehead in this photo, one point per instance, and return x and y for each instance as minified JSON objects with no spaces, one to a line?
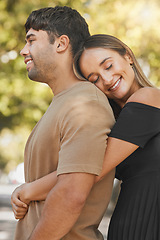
{"x":98,"y":52}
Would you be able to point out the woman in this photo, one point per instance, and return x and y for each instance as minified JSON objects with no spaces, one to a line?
{"x":112,"y":67}
{"x":133,"y":145}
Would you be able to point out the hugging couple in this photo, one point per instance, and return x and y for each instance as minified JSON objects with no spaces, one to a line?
{"x":103,"y":122}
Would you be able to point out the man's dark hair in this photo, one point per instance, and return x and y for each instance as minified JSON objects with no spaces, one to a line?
{"x":58,"y":21}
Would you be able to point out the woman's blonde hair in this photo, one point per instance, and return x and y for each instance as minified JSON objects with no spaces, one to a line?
{"x":113,"y":43}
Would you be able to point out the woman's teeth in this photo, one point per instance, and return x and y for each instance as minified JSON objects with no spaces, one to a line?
{"x":115,"y":85}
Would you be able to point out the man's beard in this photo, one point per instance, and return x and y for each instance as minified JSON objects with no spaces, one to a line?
{"x":35,"y":75}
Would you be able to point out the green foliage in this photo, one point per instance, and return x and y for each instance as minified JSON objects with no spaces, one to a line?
{"x":23,"y":102}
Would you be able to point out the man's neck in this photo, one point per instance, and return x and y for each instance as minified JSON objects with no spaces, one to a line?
{"x":63,"y":82}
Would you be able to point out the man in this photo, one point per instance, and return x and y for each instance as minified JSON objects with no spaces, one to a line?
{"x":70,"y":137}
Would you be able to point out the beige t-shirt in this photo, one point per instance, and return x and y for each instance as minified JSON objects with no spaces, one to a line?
{"x":71,"y":137}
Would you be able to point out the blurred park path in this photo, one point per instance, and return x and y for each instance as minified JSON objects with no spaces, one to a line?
{"x":7,"y":221}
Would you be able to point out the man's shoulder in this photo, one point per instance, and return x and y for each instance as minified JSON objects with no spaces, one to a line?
{"x":86,"y":100}
{"x":89,"y":86}
{"x":90,"y":91}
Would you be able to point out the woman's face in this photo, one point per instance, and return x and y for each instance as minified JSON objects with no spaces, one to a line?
{"x":110,"y":72}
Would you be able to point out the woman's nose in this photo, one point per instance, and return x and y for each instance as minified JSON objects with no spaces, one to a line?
{"x":24,"y":51}
{"x":107,"y":78}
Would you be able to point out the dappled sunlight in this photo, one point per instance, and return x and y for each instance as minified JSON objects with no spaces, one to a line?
{"x":23,"y":102}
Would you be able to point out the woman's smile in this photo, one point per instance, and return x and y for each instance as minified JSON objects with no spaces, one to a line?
{"x":115,"y":86}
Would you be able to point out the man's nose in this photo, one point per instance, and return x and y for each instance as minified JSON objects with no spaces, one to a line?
{"x":24,"y":51}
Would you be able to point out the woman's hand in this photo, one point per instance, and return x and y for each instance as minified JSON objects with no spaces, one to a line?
{"x":33,"y":191}
{"x":18,"y":202}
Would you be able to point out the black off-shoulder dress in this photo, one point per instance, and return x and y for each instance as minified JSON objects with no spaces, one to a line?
{"x":137,"y":213}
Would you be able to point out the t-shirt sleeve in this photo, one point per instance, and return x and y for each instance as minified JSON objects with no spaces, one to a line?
{"x":137,"y":123}
{"x":84,"y":130}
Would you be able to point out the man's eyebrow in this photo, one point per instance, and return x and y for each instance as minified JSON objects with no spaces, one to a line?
{"x":103,"y":61}
{"x":29,"y":35}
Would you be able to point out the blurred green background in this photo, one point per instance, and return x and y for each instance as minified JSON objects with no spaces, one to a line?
{"x":23,"y":102}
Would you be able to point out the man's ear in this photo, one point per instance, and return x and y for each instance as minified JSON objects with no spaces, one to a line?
{"x":62,"y":43}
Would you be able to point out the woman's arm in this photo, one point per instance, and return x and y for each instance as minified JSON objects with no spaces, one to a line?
{"x":38,"y":189}
{"x":117,"y":150}
{"x":33,"y":191}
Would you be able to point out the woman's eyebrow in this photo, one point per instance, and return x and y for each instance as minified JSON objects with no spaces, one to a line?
{"x":103,"y":61}
{"x":89,"y":76}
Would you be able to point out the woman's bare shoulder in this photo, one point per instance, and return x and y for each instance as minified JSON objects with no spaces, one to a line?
{"x":147,"y":95}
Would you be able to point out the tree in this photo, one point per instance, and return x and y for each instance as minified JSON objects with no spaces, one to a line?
{"x":23,"y":102}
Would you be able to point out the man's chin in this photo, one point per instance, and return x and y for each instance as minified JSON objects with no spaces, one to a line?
{"x":32,"y":76}
{"x":35,"y":76}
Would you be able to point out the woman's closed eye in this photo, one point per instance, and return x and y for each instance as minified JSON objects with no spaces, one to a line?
{"x":109,"y":67}
{"x":93,"y":78}
{"x":95,"y":81}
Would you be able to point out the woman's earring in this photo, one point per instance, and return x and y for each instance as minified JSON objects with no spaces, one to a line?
{"x":132,"y":65}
